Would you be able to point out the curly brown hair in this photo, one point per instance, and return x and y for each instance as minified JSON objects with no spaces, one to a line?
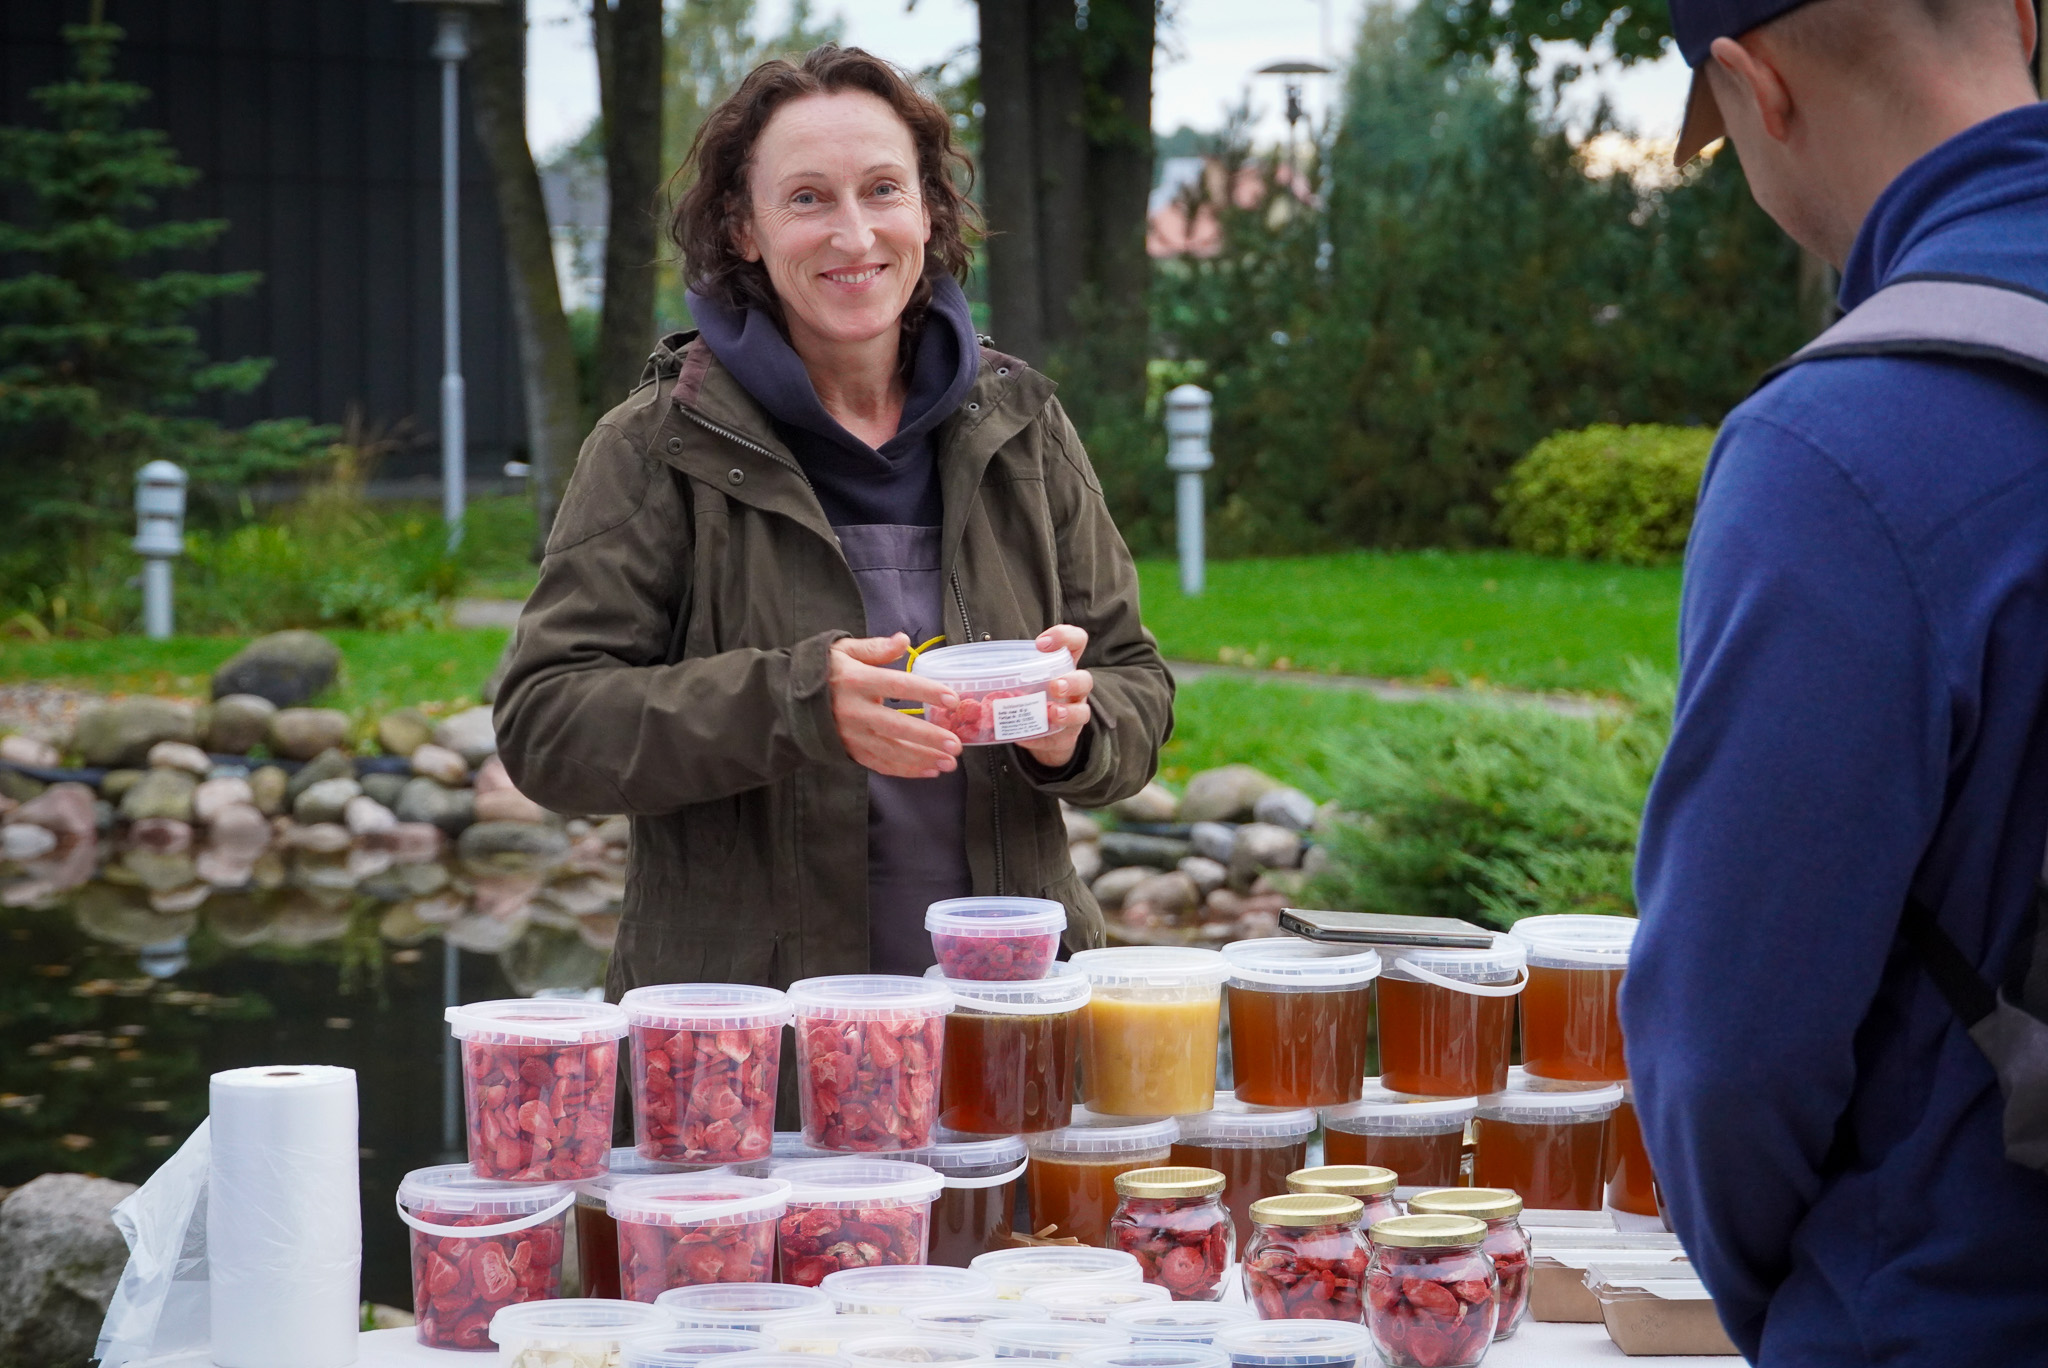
{"x":704,"y":222}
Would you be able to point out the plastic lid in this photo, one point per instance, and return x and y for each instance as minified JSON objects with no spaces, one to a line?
{"x":1577,"y":940}
{"x":1030,"y":1266}
{"x":683,"y":1346}
{"x":1497,"y":964}
{"x":1284,"y":962}
{"x":1307,"y":1209}
{"x":977,"y":1157}
{"x":1484,"y":1204}
{"x":1346,"y":1180}
{"x":825,"y":1334}
{"x":967,"y":1317}
{"x":543,"y":1021}
{"x":1088,"y":1140}
{"x":583,"y":1319}
{"x":989,"y":917}
{"x":993,"y":664}
{"x":1285,"y":1343}
{"x":859,"y":1182}
{"x":627,"y":1162}
{"x":864,"y":997}
{"x":741,"y":1306}
{"x":694,"y":1199}
{"x":452,"y":1189}
{"x":706,"y":1006}
{"x":1188,"y":1322}
{"x":912,"y":1347}
{"x":1155,"y":1356}
{"x":1055,"y":1339}
{"x":1081,"y":1299}
{"x":881,"y":1290}
{"x":1151,"y":966}
{"x":1171,"y":1181}
{"x":1533,"y":1101}
{"x":1234,"y":1123}
{"x":1064,"y":989}
{"x":1381,"y":1111}
{"x":1428,"y":1232}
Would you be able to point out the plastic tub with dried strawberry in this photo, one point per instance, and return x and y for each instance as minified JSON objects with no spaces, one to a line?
{"x":538,"y":1079}
{"x":1017,"y":1271}
{"x":741,"y":1306}
{"x":479,"y":1245}
{"x":889,"y":1291}
{"x":1081,"y":1300}
{"x":1048,"y":1339}
{"x":1296,"y":1344}
{"x":695,"y":1228}
{"x":686,"y":1346}
{"x":868,"y":1051}
{"x":597,"y":1234}
{"x":1185,"y":1323}
{"x":1001,"y":686}
{"x":579,"y":1332}
{"x":1001,"y":940}
{"x":854,"y":1213}
{"x":705,"y":1059}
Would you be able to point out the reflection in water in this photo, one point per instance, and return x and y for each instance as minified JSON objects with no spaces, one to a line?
{"x":134,"y":970}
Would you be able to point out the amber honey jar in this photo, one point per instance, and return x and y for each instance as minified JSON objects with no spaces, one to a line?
{"x":1300,"y":1020}
{"x":1254,"y":1148}
{"x":1447,"y":1018}
{"x":1631,"y":1185}
{"x":597,"y":1234}
{"x":1371,"y":1185}
{"x":1150,"y":1029}
{"x":1571,"y":1023}
{"x":1422,"y":1139}
{"x":972,"y":1213}
{"x":1071,"y":1182}
{"x":1546,"y":1140}
{"x":1011,"y":1047}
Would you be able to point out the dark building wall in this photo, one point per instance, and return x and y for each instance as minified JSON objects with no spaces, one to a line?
{"x":316,"y":127}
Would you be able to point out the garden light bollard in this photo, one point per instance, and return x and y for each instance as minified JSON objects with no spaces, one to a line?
{"x":159,"y":536}
{"x":1187,"y":455}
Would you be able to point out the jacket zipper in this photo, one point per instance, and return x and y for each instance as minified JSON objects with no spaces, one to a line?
{"x":732,"y":436}
{"x":995,"y":786}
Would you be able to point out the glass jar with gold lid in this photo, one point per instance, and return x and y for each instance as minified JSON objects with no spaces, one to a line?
{"x":1369,"y":1183}
{"x":1306,"y":1258}
{"x":1506,"y":1242}
{"x":1429,"y":1291}
{"x":1174,"y":1221}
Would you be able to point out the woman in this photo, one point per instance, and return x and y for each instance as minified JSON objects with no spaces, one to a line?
{"x":830,"y":471}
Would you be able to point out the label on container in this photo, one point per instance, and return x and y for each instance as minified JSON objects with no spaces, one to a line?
{"x":1020,"y":718}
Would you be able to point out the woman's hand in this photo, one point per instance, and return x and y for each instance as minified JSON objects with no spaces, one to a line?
{"x":1066,"y":702}
{"x":875,"y":734}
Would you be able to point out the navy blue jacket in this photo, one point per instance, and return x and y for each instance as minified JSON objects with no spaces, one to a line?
{"x":1862,"y":711}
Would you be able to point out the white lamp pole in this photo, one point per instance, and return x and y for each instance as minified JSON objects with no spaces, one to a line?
{"x":159,"y":539}
{"x":451,"y":46}
{"x":1187,"y":455}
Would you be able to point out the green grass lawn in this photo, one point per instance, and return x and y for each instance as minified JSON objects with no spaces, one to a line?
{"x":1495,"y":617}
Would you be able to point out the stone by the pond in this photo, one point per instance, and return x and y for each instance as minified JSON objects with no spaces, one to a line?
{"x":1261,"y":845}
{"x":163,"y":835}
{"x":1207,"y":873}
{"x":115,"y":783}
{"x":26,"y":841}
{"x":186,"y":899}
{"x":239,"y":827}
{"x":302,"y":733}
{"x":240,"y":722}
{"x":410,"y":843}
{"x":1153,"y":803}
{"x":160,"y":793}
{"x":1213,"y":840}
{"x":322,"y":838}
{"x":328,"y":764}
{"x":1081,"y":828}
{"x":119,"y":734}
{"x":1288,"y":807}
{"x":324,"y":801}
{"x":223,"y":868}
{"x":423,"y":800}
{"x":27,"y":750}
{"x":439,"y":909}
{"x":439,"y":764}
{"x":17,"y":787}
{"x":385,"y":788}
{"x":64,"y":809}
{"x":1121,"y":848}
{"x":1112,"y":887}
{"x":1222,"y":905}
{"x":63,"y":1258}
{"x":363,"y":815}
{"x":285,"y":667}
{"x":497,"y":800}
{"x":504,"y":896}
{"x":512,"y":847}
{"x":1315,"y":860}
{"x":215,"y":795}
{"x":614,"y":831}
{"x":180,"y":755}
{"x":1087,"y":860}
{"x":1172,"y":895}
{"x":404,"y":731}
{"x":400,"y":925}
{"x":484,"y":935}
{"x":469,"y":734}
{"x":269,"y":785}
{"x":1225,"y":794}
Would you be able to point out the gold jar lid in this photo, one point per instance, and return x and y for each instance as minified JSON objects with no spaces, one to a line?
{"x":1169,"y":1182}
{"x":1427,"y":1232}
{"x":1486,"y":1204}
{"x":1347,"y":1180}
{"x":1307,"y":1209}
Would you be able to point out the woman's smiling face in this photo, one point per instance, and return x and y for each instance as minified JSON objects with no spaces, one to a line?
{"x":837,"y":218}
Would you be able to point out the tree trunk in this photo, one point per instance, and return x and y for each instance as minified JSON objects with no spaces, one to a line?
{"x":1118,"y":192}
{"x":1060,"y":106}
{"x":628,"y":38}
{"x":547,"y":360}
{"x":1009,"y":171}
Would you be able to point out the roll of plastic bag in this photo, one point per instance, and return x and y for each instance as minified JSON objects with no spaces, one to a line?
{"x":284,"y":1218}
{"x":161,"y":1304}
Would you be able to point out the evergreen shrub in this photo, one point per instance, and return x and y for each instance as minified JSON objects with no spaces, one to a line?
{"x":1607,"y":493}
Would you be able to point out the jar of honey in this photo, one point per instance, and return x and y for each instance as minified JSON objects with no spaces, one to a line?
{"x":1300,"y":1020}
{"x":1447,"y":1018}
{"x":1149,"y":1029}
{"x":1545,"y":1140}
{"x":1008,"y":1065}
{"x":1422,"y":1139}
{"x":1507,"y":1244}
{"x":972,"y":1213}
{"x":1254,"y":1148}
{"x":1571,"y":1023}
{"x":597,"y":1234}
{"x":1370,"y":1184}
{"x":1071,"y":1181}
{"x":1174,"y":1221}
{"x":1631,"y":1186}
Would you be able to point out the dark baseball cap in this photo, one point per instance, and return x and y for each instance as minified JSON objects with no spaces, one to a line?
{"x":1695,"y":24}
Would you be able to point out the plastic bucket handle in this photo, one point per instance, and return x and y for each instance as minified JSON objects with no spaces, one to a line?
{"x":1465,"y":986}
{"x":988,"y":1182}
{"x":480,"y":1232}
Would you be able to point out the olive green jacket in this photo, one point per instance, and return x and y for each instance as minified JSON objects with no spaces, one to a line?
{"x":672,"y":665}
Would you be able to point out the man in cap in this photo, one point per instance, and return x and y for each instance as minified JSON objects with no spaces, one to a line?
{"x":1862,"y":718}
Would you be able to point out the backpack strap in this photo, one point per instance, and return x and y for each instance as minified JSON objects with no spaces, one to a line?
{"x":1939,"y":315}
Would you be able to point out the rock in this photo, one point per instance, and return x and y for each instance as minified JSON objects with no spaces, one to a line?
{"x":17,"y":787}
{"x":1213,"y":840}
{"x":119,"y":734}
{"x":285,"y":667}
{"x":440,"y":764}
{"x":1112,"y":887}
{"x":439,"y":909}
{"x":1081,"y":828}
{"x":1087,"y":860}
{"x":324,"y":801}
{"x":498,"y":801}
{"x":26,"y":750}
{"x":63,"y":809}
{"x":614,"y":831}
{"x":157,"y":870}
{"x":160,"y":793}
{"x":512,"y":847}
{"x":366,"y":864}
{"x":186,"y":899}
{"x":1287,"y":807}
{"x":484,"y":935}
{"x":1153,"y":803}
{"x":115,"y":783}
{"x":404,"y":731}
{"x":223,"y":868}
{"x":363,"y":815}
{"x":22,"y":841}
{"x":586,"y":894}
{"x":1261,"y":845}
{"x":1315,"y":860}
{"x":1222,"y":905}
{"x":503,"y":897}
{"x":385,"y":788}
{"x":63,"y":1258}
{"x":1282,"y":883}
{"x":214,"y":795}
{"x":1121,"y":848}
{"x":1208,"y":874}
{"x":423,"y":800}
{"x":239,"y":828}
{"x":270,"y":785}
{"x":179,"y":755}
{"x":410,"y":843}
{"x":328,"y":764}
{"x":161,"y":835}
{"x":322,"y":838}
{"x":400,"y":925}
{"x":1226,"y":794}
{"x":1172,"y":895}
{"x":239,"y":724}
{"x":302,"y":733}
{"x":469,"y":734}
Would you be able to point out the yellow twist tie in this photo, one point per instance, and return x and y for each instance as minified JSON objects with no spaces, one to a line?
{"x":910,"y":663}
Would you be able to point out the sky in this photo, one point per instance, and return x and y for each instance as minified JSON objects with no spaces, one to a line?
{"x":1211,"y":53}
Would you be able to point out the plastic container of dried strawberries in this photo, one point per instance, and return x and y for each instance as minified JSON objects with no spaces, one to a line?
{"x":847,"y":1213}
{"x":597,"y":1234}
{"x":741,"y":1306}
{"x":1183,"y":1323}
{"x":696,"y":1228}
{"x":868,"y":1050}
{"x":995,"y":939}
{"x":538,"y":1080}
{"x":479,"y":1245}
{"x":888,"y":1291}
{"x":1295,"y":1344}
{"x":705,"y":1059}
{"x":1002,"y":688}
{"x":685,"y":1347}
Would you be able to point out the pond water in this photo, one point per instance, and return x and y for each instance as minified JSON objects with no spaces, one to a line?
{"x":127,"y":980}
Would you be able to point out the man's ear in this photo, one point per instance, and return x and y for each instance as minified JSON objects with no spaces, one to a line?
{"x":1749,"y":69}
{"x":2030,"y":26}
